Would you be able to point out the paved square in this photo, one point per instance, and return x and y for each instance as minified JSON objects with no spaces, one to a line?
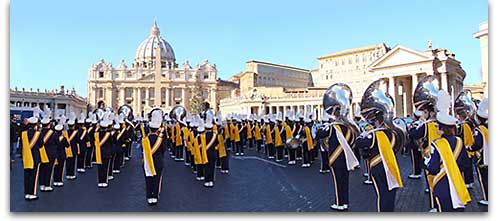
{"x":254,"y":184}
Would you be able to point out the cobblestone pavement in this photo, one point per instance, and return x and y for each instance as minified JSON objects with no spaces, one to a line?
{"x":254,"y":184}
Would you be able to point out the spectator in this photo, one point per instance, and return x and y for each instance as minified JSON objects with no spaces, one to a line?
{"x":14,"y":136}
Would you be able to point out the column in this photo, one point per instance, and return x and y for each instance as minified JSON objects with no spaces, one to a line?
{"x":147,"y":96}
{"x":121,"y":92}
{"x":183,"y":97}
{"x":167,"y":97}
{"x":414,"y":82}
{"x":406,"y":102}
{"x":392,"y":91}
{"x":139,"y":100}
{"x":444,"y":82}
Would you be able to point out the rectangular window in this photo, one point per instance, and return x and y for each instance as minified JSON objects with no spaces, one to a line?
{"x":178,"y":93}
{"x":206,"y":76}
{"x":129,"y":92}
{"x":100,"y":92}
{"x":101,"y":74}
{"x":205,"y":94}
{"x":61,"y":106}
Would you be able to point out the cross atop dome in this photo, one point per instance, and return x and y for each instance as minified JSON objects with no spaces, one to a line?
{"x":155,"y":29}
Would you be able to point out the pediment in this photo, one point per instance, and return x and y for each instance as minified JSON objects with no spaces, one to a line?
{"x":398,"y":56}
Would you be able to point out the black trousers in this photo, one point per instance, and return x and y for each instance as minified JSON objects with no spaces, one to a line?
{"x":250,"y":143}
{"x":446,"y":206}
{"x":292,"y":154}
{"x":81,"y":158}
{"x":112,"y":160}
{"x":280,"y":152}
{"x":200,"y":170}
{"x":270,"y":149}
{"x":89,"y":156}
{"x":467,"y":170}
{"x":192,"y":164}
{"x":209,"y":169}
{"x":239,"y":148}
{"x":340,"y":175}
{"x":119,"y":159}
{"x":128,"y":150}
{"x":103,"y":170}
{"x":153,"y":184}
{"x":179,"y":152}
{"x":299,"y":152}
{"x":187,"y":158}
{"x":432,"y":199}
{"x":306,"y":154}
{"x":385,"y":198}
{"x":482,"y":174}
{"x":31,"y":180}
{"x":325,"y":161}
{"x":259,"y":143}
{"x":416,"y":161}
{"x":59,"y":170}
{"x":46,"y":170}
{"x":71,"y":165}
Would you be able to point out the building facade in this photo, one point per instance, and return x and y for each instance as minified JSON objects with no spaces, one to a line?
{"x":60,"y":102}
{"x":154,"y":79}
{"x":401,"y":66}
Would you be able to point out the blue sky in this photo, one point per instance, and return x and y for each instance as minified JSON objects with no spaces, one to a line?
{"x":55,"y":42}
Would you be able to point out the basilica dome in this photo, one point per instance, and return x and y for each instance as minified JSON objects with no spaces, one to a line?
{"x":146,"y":53}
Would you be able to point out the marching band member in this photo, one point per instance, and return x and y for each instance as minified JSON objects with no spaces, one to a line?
{"x":307,"y":146}
{"x":178,"y":151}
{"x":120,"y":139}
{"x":300,"y":121}
{"x":64,"y":151}
{"x":258,"y":137}
{"x":416,"y":155}
{"x":341,"y":158}
{"x":481,"y":148}
{"x":465,"y":109}
{"x":48,"y":153}
{"x":378,"y":144}
{"x":288,"y":135}
{"x":448,"y":185}
{"x":92,"y":129}
{"x":269,"y":137}
{"x":153,"y":146}
{"x":241,"y":122}
{"x":73,"y":151}
{"x":383,"y":166}
{"x":103,"y":147}
{"x":187,"y":140}
{"x":236,"y":136}
{"x":200,"y":152}
{"x":83,"y":141}
{"x":324,"y":145}
{"x":357,"y":154}
{"x":250,"y":129}
{"x":222,"y":154}
{"x":424,"y":99}
{"x":32,"y":142}
{"x":278,"y":134}
{"x":211,"y":137}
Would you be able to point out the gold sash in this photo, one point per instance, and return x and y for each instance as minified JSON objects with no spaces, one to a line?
{"x":451,"y":169}
{"x":27,"y":156}
{"x":309,"y":139}
{"x":147,"y":151}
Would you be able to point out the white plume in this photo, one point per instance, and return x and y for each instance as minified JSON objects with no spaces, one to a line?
{"x":484,"y":105}
{"x":443,"y":102}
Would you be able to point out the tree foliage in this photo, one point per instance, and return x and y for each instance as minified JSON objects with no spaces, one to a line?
{"x":197,"y":100}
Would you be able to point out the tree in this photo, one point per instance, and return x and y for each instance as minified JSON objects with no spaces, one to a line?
{"x":197,"y":100}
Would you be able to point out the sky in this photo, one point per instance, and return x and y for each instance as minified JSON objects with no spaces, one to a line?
{"x":54,"y":42}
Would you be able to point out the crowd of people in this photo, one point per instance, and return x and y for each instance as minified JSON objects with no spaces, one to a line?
{"x":444,"y":150}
